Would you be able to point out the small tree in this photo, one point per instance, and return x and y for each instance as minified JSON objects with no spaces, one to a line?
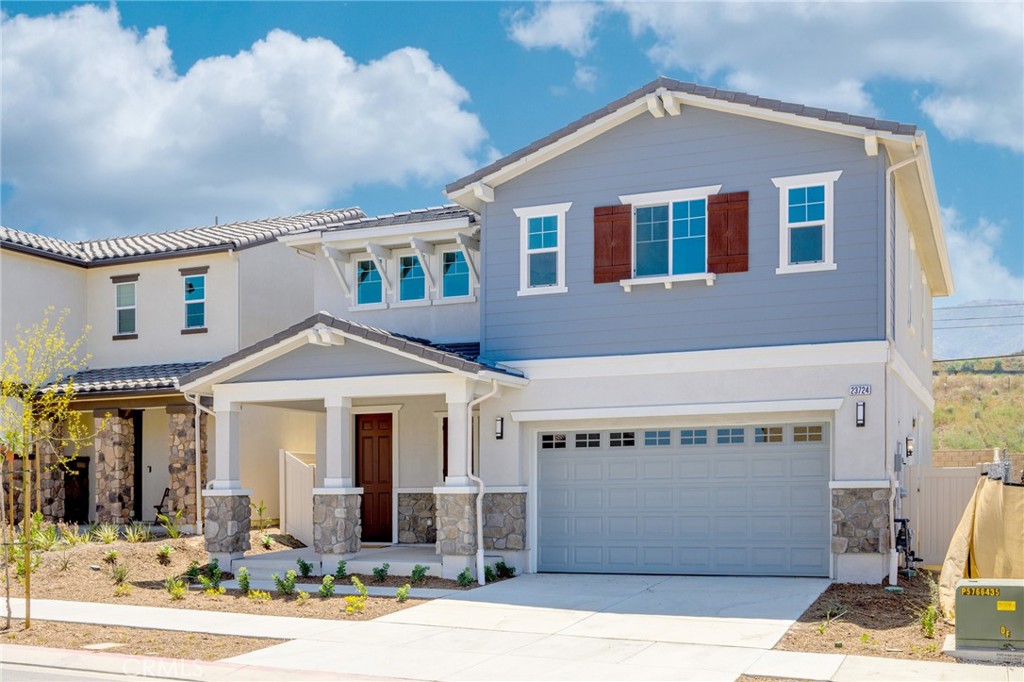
{"x":36,"y":412}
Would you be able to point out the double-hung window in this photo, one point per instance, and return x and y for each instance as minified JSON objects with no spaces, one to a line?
{"x":806,"y":231}
{"x":542,"y":249}
{"x":195,"y":301}
{"x":124,"y":295}
{"x":454,"y":274}
{"x":369,"y":285}
{"x":670,"y":232}
{"x":412,"y":282}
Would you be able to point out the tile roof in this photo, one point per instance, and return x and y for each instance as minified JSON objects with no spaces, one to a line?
{"x":421,"y":215}
{"x":135,"y":379}
{"x":694,"y":89}
{"x":459,"y":357}
{"x":238,"y":235}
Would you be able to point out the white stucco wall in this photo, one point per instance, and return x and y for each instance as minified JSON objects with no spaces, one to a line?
{"x":160,"y":314}
{"x":264,"y":432}
{"x":28,"y":285}
{"x":913,"y":332}
{"x":275,"y":290}
{"x":155,"y":459}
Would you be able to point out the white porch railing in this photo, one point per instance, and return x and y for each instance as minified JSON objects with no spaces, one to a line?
{"x":298,"y":474}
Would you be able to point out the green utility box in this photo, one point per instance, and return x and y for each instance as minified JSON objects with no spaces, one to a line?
{"x":990,"y":614}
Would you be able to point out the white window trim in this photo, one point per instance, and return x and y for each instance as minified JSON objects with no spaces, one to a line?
{"x":427,"y":281}
{"x":789,"y":182}
{"x":184,"y":322}
{"x":118,"y":308}
{"x":524,"y":214}
{"x":441,"y":298}
{"x":657,"y":199}
{"x":377,"y":305}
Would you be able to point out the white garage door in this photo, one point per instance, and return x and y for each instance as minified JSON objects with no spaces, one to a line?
{"x":736,"y":500}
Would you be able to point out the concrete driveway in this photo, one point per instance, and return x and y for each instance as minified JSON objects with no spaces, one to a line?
{"x":560,"y":627}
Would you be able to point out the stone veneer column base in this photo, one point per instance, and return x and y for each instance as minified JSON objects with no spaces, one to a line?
{"x":115,"y":467}
{"x":860,"y":520}
{"x":456,"y":528}
{"x":417,"y":514}
{"x":337,"y":520}
{"x":181,"y":462}
{"x":226,"y":524}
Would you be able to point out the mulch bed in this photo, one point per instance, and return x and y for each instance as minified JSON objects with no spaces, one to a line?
{"x":866,"y":620}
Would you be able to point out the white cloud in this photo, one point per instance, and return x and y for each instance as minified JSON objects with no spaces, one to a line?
{"x":565,"y":25}
{"x":101,"y":134}
{"x":977,"y":272}
{"x":585,"y":77}
{"x":967,"y":55}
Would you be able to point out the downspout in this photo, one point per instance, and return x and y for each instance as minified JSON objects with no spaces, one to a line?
{"x":197,"y":403}
{"x":481,"y":578}
{"x":893,"y":483}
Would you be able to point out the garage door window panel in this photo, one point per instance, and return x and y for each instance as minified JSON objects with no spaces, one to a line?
{"x":622,"y":439}
{"x":693,"y":437}
{"x":730,"y":436}
{"x":588,"y":440}
{"x":768,"y":434}
{"x":657,"y":438}
{"x":808,"y":434}
{"x":552,"y":441}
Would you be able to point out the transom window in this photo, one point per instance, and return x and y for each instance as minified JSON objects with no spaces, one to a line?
{"x":767,"y":434}
{"x":729,"y":436}
{"x":411,"y":280}
{"x":807,"y":434}
{"x":552,"y":441}
{"x":454,"y":274}
{"x":622,"y":439}
{"x":542,"y":258}
{"x":805,"y":222}
{"x":657,"y":437}
{"x":124,"y":295}
{"x":195,"y":301}
{"x":588,"y":440}
{"x":693,"y":437}
{"x":369,"y":287}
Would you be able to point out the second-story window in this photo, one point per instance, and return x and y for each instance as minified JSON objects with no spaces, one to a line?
{"x":542,"y":249}
{"x":671,"y":238}
{"x":411,"y":280}
{"x":805,"y":222}
{"x":195,"y":301}
{"x":369,"y":287}
{"x":454,"y":274}
{"x":125,"y":303}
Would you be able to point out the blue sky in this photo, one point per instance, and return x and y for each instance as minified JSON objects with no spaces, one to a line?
{"x":151,"y":115}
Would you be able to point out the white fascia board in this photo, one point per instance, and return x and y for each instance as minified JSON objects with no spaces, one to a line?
{"x":504,"y":379}
{"x":678,"y":410}
{"x":401,"y":234}
{"x":931,"y":198}
{"x":301,"y":239}
{"x":389,"y":386}
{"x":772,"y":357}
{"x":464,"y":196}
{"x":903,"y":370}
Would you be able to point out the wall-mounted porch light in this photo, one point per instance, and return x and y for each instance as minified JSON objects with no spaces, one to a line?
{"x":910,"y":447}
{"x":860,"y":413}
{"x":499,"y":428}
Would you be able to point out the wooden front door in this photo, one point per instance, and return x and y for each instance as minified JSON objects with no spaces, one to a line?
{"x":373,"y":474}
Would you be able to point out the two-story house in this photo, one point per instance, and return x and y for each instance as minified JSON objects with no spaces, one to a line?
{"x":704,"y":327}
{"x":159,"y":306}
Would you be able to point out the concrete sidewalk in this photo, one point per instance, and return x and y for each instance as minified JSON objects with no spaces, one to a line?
{"x":634,"y":627}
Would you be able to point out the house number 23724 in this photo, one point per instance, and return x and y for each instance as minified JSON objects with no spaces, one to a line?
{"x":860,"y":389}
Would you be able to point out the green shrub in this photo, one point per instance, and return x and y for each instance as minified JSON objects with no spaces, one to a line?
{"x":327,"y":587}
{"x":929,"y":617}
{"x":122,"y":590}
{"x":70,"y":535}
{"x":489,"y":575}
{"x":260,"y":510}
{"x":170,"y":524}
{"x":380,"y":574}
{"x":465,"y":579}
{"x":285,"y":586}
{"x":305,"y":568}
{"x":119,"y":574}
{"x":341,"y":571}
{"x":419,"y":573}
{"x":266,"y":541}
{"x":138,"y":532}
{"x":35,"y":561}
{"x":110,"y":556}
{"x":106,"y":533}
{"x":192,"y":572}
{"x":214,"y":591}
{"x":65,"y":562}
{"x":403,"y":593}
{"x":259,"y":596}
{"x":211,"y":580}
{"x":504,"y":571}
{"x":355,"y":603}
{"x":302,"y":597}
{"x":358,"y":584}
{"x":243,"y":580}
{"x":175,"y":587}
{"x":164,"y":554}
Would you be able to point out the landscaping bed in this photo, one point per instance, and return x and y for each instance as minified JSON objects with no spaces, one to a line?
{"x":132,"y":641}
{"x":866,"y":620}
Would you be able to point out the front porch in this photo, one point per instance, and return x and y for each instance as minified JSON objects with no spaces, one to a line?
{"x":396,"y":448}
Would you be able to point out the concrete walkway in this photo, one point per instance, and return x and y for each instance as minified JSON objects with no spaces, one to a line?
{"x":543,"y":627}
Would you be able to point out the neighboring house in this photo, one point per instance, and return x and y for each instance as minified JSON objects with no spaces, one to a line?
{"x":704,"y":327}
{"x":159,"y":306}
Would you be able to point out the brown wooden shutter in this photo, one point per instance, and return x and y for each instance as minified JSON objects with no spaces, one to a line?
{"x":613,"y":252}
{"x":728,"y":232}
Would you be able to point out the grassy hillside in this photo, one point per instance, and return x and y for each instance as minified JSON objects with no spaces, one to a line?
{"x":979,"y":404}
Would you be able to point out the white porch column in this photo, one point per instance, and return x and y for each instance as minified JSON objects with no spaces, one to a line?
{"x":458,"y":442}
{"x":339,"y":465}
{"x":229,"y":465}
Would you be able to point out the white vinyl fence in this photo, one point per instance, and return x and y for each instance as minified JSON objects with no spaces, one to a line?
{"x":938,"y":498}
{"x":298,"y":472}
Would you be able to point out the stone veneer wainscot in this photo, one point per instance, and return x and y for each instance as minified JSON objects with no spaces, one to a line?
{"x":860,"y":520}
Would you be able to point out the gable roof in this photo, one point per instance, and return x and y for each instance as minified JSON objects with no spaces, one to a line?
{"x":461,"y":357}
{"x":171,"y":243}
{"x":698,"y":91}
{"x":138,"y":379}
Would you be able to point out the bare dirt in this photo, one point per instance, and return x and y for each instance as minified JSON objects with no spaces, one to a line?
{"x":133,"y":641}
{"x":866,"y":620}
